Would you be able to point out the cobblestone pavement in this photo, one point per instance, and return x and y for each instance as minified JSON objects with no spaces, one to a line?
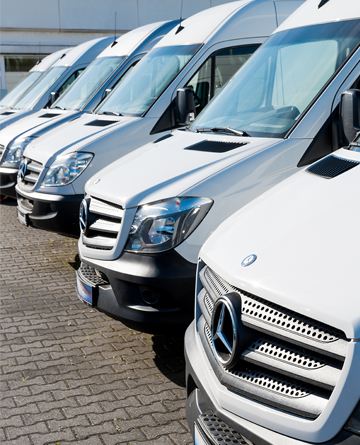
{"x":69,"y":374}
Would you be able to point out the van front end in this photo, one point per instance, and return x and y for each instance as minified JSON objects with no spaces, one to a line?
{"x":130,"y":268}
{"x":261,"y":373}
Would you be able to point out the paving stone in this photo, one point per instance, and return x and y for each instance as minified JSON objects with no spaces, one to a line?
{"x":70,"y":374}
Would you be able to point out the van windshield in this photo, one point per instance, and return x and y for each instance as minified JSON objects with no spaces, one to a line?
{"x":20,"y":89}
{"x":277,"y":85}
{"x":40,"y":88}
{"x":88,"y":83}
{"x":147,"y":81}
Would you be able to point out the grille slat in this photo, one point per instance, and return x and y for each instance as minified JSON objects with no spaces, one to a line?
{"x":265,"y":386}
{"x":104,"y":225}
{"x":34,"y":167}
{"x":279,"y":366}
{"x":98,"y":242}
{"x":2,"y":149}
{"x":284,"y":323}
{"x":106,"y":209}
{"x":31,"y":178}
{"x":32,"y":172}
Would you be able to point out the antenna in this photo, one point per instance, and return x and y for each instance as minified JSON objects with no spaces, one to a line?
{"x":37,"y":63}
{"x":180,"y":28}
{"x":114,"y":42}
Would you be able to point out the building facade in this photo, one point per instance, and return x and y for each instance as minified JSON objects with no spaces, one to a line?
{"x":31,"y":29}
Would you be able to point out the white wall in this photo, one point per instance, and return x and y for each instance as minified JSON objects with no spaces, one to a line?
{"x":33,"y":26}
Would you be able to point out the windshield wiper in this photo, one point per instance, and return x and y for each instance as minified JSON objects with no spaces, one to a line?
{"x":222,"y":130}
{"x":111,"y":113}
{"x":61,"y":108}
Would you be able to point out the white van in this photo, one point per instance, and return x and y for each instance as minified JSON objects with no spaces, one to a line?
{"x":56,"y":80}
{"x":146,"y":216}
{"x":82,"y":96}
{"x":23,"y":86}
{"x":273,"y":355}
{"x":202,"y":53}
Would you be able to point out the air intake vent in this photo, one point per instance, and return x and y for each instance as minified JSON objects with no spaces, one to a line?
{"x":48,"y":115}
{"x":100,"y":123}
{"x":331,"y":166}
{"x":7,"y":113}
{"x":215,"y":146}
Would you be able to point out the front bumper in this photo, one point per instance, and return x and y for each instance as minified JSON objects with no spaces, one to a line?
{"x":142,"y":290}
{"x":8,"y":177}
{"x":218,"y":426}
{"x":55,"y":213}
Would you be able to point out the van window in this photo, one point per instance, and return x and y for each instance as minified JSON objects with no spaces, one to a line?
{"x":275,"y":88}
{"x":215,"y":72}
{"x":70,"y":80}
{"x":36,"y":92}
{"x":84,"y":88}
{"x":20,"y":89}
{"x":147,"y":81}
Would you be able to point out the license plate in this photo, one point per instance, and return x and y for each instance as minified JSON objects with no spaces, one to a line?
{"x":84,"y":291}
{"x":198,"y":437}
{"x":22,"y":218}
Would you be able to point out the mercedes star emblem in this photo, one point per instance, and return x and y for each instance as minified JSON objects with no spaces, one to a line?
{"x":229,"y":336}
{"x":83,"y":216}
{"x":248,"y":260}
{"x":22,"y":169}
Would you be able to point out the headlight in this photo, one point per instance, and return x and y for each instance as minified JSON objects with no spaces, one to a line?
{"x":16,"y":149}
{"x":162,"y":225}
{"x":66,"y":168}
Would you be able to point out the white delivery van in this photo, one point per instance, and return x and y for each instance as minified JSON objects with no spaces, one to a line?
{"x":146,"y":216}
{"x":82,"y":96}
{"x":55,"y":81}
{"x":22,"y":87}
{"x":273,"y":355}
{"x":202,"y":53}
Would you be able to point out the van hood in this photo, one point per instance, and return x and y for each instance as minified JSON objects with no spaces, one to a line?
{"x":168,"y":167}
{"x":75,"y":135}
{"x":305,"y":235}
{"x":8,"y":119}
{"x":30,"y":125}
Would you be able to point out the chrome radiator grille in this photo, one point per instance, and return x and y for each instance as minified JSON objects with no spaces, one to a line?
{"x":291,"y":362}
{"x":104,"y":224}
{"x":29,"y":172}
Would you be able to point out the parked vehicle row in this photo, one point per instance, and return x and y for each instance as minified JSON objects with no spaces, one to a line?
{"x":141,"y":109}
{"x":230,"y":195}
{"x":83,"y":96}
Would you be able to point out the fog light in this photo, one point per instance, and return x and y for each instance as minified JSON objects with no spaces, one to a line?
{"x":149,"y":297}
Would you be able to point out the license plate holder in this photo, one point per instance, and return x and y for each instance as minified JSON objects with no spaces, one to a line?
{"x":23,"y":218}
{"x":85,"y":292}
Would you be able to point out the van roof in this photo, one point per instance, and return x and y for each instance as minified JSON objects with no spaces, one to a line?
{"x":234,"y":20}
{"x":131,"y":40}
{"x":84,"y":53}
{"x":49,"y":60}
{"x":313,"y":12}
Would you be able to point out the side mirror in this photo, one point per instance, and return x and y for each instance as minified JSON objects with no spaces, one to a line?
{"x":107,"y":92}
{"x":185,"y":106}
{"x":53,"y":97}
{"x":349,"y":123}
